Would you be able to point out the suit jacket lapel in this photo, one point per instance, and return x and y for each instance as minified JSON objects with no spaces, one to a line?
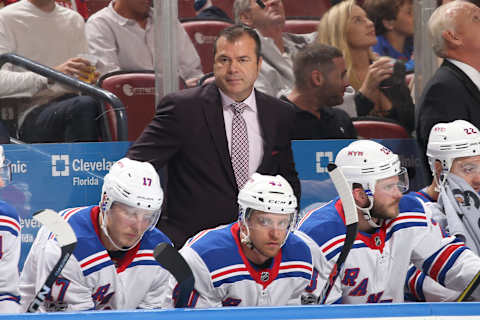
{"x":266,"y":124}
{"x":212,"y":108}
{"x":467,"y":82}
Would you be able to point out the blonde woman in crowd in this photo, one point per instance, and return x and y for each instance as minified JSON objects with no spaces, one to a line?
{"x":347,"y":27}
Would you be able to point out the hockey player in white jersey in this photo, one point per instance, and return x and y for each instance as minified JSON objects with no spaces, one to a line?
{"x":453,"y":152}
{"x":394,"y":231}
{"x":10,"y":244}
{"x":112,"y":266}
{"x":255,"y":261}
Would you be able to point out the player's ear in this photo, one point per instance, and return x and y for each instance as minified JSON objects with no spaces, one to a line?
{"x":361,"y":198}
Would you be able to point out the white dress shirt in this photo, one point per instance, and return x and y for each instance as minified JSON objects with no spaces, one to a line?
{"x":122,"y":44}
{"x":470,"y":71}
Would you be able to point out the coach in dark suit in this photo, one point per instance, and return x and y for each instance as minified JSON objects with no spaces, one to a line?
{"x":191,"y":134}
{"x":453,"y":91}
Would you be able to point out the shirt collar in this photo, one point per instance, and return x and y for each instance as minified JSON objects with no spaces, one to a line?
{"x":249,"y":101}
{"x":121,"y":20}
{"x":470,"y":71}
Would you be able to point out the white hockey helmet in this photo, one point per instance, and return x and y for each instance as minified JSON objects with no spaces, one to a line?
{"x":5,"y":169}
{"x":135,"y":184}
{"x":270,"y":194}
{"x":365,"y":162}
{"x":448,"y":141}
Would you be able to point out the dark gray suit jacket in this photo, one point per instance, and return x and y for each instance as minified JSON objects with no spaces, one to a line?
{"x":188,"y":136}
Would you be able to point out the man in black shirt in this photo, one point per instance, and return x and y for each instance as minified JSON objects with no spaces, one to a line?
{"x":320,"y":81}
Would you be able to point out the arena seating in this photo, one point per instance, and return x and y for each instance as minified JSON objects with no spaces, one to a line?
{"x":186,"y":11}
{"x":203,"y":34}
{"x":301,"y":25}
{"x":136,"y":90}
{"x":370,"y":128}
{"x":305,"y":8}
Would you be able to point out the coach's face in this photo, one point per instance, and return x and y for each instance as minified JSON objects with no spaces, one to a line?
{"x":236,"y":66}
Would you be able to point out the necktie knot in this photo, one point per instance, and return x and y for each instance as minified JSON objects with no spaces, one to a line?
{"x":238,"y":108}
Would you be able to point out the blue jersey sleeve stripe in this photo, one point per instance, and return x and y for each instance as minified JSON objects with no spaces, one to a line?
{"x":8,"y":229}
{"x":451,"y":260}
{"x":403,"y":226}
{"x":295,"y":274}
{"x":419,"y":286}
{"x":7,"y":296}
{"x":233,"y":279}
{"x":100,"y":266}
{"x":143,"y":263}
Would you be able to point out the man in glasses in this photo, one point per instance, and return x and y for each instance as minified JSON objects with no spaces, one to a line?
{"x":395,"y":230}
{"x":10,"y":243}
{"x":453,"y":152}
{"x":255,"y":261}
{"x":112,"y":266}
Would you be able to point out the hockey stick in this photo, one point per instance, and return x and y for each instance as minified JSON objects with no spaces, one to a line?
{"x":66,"y":238}
{"x":470,"y":288}
{"x":173,"y":261}
{"x":351,"y":222}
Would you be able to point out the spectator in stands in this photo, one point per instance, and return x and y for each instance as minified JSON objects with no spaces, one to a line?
{"x":213,"y":137}
{"x":320,"y":82}
{"x":394,"y":28}
{"x":278,"y":47}
{"x":121,"y":35}
{"x":52,"y":35}
{"x":347,"y":27}
{"x":205,"y":10}
{"x":453,"y":91}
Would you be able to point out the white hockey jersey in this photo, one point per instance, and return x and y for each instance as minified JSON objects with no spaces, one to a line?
{"x":10,"y":243}
{"x":419,"y":286}
{"x":377,"y":264}
{"x":225,"y":277}
{"x":90,"y":279}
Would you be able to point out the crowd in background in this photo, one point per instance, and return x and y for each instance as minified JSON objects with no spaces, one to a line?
{"x":216,"y":139}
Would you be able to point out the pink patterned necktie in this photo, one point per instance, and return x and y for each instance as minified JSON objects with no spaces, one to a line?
{"x":239,"y":145}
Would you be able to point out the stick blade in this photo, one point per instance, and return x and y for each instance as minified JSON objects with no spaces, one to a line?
{"x":171,"y":260}
{"x":345,"y":192}
{"x":57,"y":225}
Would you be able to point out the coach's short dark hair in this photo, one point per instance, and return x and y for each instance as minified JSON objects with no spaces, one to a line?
{"x":236,"y":31}
{"x":315,"y":56}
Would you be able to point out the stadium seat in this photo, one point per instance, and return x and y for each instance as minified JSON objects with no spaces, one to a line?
{"x":379,"y":128}
{"x":305,"y":8}
{"x":186,"y":11}
{"x":95,"y":5}
{"x":301,"y":26}
{"x":136,"y":90}
{"x":203,"y":34}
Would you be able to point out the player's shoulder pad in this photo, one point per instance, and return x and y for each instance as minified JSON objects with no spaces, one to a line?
{"x":8,"y":211}
{"x":296,"y":249}
{"x":323,"y":224}
{"x":410,"y":202}
{"x":216,"y":247}
{"x":152,"y":238}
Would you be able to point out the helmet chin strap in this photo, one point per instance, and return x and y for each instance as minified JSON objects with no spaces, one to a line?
{"x":367,"y":215}
{"x":103,"y":226}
